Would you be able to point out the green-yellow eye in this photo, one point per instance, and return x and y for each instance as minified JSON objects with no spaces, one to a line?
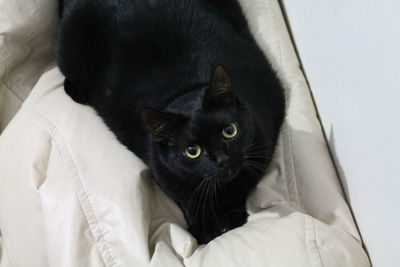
{"x":193,"y":151}
{"x":230,"y":131}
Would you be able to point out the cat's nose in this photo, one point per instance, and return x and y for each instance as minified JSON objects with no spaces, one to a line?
{"x":222,"y":160}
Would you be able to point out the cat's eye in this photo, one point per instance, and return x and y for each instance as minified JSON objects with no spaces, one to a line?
{"x":193,"y":151}
{"x":230,"y":131}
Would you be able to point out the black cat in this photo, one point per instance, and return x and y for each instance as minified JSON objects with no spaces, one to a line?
{"x":182,"y":84}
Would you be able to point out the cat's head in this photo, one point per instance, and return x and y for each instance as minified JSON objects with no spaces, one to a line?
{"x":210,"y":136}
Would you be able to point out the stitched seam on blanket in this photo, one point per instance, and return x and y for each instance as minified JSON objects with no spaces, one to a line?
{"x":273,"y":25}
{"x":287,"y":136}
{"x":106,"y":252}
{"x":269,"y":55}
{"x":274,"y":37}
{"x":311,"y":242}
{"x":291,"y":163}
{"x":316,"y":241}
{"x":290,"y":158}
{"x":305,"y":240}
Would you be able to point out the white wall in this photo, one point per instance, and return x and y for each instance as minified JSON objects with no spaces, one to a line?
{"x":350,"y":52}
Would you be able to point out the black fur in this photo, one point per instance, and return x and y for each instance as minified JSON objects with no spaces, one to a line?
{"x":167,"y":74}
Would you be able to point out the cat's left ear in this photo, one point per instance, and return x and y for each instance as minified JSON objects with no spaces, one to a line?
{"x":161,"y":125}
{"x":220,"y":90}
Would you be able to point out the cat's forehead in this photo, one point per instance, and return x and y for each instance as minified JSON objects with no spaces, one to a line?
{"x":216,"y":116}
{"x":207,"y":123}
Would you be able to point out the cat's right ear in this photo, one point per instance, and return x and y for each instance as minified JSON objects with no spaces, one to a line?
{"x":161,"y":125}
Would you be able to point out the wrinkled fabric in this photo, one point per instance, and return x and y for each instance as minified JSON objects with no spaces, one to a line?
{"x":72,"y":195}
{"x":27,"y":37}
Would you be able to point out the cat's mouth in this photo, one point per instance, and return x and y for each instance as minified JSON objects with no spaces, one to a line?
{"x":229,"y":174}
{"x":225,"y":175}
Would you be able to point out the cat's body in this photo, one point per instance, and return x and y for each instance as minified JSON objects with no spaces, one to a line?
{"x":125,"y":56}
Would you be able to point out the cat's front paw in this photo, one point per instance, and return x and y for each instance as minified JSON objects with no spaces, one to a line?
{"x":207,"y":231}
{"x":204,"y":236}
{"x":236,"y":218}
{"x":75,"y":92}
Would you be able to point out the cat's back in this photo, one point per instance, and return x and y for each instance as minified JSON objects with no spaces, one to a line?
{"x":155,"y":49}
{"x":172,"y":43}
{"x":125,"y":54}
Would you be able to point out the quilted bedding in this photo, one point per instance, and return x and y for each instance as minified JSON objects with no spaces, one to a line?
{"x":71,"y":195}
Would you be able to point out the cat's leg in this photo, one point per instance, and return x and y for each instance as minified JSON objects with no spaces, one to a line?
{"x":235,"y":218}
{"x":204,"y":232}
{"x":75,"y":91}
{"x":207,"y":228}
